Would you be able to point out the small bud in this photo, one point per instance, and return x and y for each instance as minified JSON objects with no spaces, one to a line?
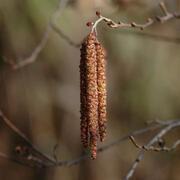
{"x":98,"y":13}
{"x":161,"y":143}
{"x":110,"y":23}
{"x":133,"y":24}
{"x":18,"y":149}
{"x":89,"y":24}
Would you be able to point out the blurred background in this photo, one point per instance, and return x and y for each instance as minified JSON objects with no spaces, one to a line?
{"x":42,"y":98}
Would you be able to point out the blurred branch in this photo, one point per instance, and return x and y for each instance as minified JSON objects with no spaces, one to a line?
{"x":153,"y":148}
{"x":151,"y":36}
{"x":111,"y":144}
{"x":40,"y":159}
{"x":62,"y":3}
{"x":19,"y":133}
{"x":155,"y":139}
{"x":65,"y":37}
{"x":150,"y":21}
{"x":8,"y":157}
{"x":170,"y":124}
{"x":35,"y":53}
{"x":167,"y":15}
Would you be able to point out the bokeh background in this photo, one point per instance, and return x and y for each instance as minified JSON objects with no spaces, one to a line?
{"x":42,"y":98}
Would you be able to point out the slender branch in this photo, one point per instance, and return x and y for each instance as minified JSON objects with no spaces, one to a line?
{"x":41,"y":45}
{"x":50,"y":162}
{"x":110,"y":145}
{"x":153,"y":148}
{"x":65,"y":37}
{"x":45,"y":161}
{"x":150,"y":21}
{"x":15,"y":160}
{"x":51,"y":26}
{"x":167,"y":15}
{"x":18,"y":132}
{"x":35,"y":53}
{"x":155,"y":139}
{"x":150,"y":36}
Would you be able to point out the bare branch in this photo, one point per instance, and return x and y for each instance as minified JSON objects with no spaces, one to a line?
{"x":152,"y":36}
{"x":37,"y":50}
{"x":7,"y":157}
{"x":155,"y":139}
{"x":18,"y":132}
{"x":51,"y":26}
{"x":110,"y":145}
{"x":28,"y":158}
{"x":153,"y":148}
{"x":33,"y":56}
{"x":53,"y":162}
{"x":164,"y":8}
{"x":40,"y":159}
{"x":65,"y":37}
{"x":150,"y":21}
{"x":54,"y":153}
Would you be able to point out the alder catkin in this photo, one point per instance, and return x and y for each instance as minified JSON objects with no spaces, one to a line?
{"x":102,"y":95}
{"x":83,"y":95}
{"x":93,"y":93}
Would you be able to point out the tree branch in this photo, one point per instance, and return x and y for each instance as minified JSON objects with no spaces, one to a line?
{"x":65,"y":37}
{"x":19,"y":133}
{"x":37,"y":50}
{"x":155,"y":139}
{"x":156,"y":37}
{"x":150,"y":21}
{"x":40,"y":159}
{"x":62,"y":3}
{"x":153,"y":148}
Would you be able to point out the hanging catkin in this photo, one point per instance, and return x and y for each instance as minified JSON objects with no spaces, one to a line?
{"x":93,"y":93}
{"x":83,"y":96}
{"x":101,"y":81}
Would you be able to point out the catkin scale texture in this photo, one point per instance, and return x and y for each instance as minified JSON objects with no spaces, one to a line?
{"x":83,"y":111}
{"x":93,"y":93}
{"x":102,"y":95}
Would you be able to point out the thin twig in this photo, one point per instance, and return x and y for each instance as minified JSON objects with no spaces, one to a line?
{"x":54,"y":153}
{"x":54,"y":163}
{"x":50,"y":162}
{"x":15,"y":160}
{"x":151,"y":36}
{"x":158,"y":121}
{"x":33,"y":56}
{"x":37,"y":50}
{"x":17,"y":131}
{"x":155,"y":139}
{"x":110,"y":145}
{"x":65,"y":37}
{"x":150,"y":21}
{"x":153,"y":148}
{"x":51,"y":26}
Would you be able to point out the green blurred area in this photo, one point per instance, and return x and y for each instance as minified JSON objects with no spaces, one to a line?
{"x":42,"y":98}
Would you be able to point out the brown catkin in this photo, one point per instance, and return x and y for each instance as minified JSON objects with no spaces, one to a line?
{"x":93,"y":93}
{"x":102,"y":94}
{"x":83,"y":95}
